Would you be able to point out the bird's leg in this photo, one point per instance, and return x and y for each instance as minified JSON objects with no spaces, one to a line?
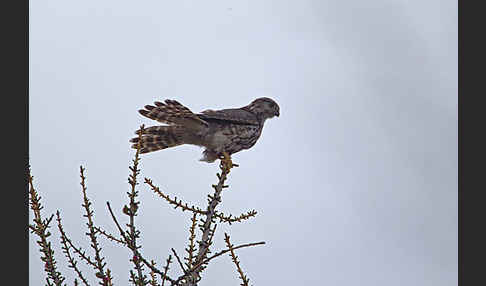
{"x":226,"y":161}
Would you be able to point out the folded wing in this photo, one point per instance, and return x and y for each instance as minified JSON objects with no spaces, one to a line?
{"x":233,"y":115}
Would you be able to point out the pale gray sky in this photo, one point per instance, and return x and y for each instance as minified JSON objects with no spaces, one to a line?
{"x":355,"y":183}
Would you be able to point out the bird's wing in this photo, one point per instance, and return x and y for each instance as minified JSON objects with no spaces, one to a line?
{"x":173,"y":113}
{"x":234,"y":115}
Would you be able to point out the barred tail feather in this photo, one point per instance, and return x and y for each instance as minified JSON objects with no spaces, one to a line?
{"x":173,"y":113}
{"x":158,"y":138}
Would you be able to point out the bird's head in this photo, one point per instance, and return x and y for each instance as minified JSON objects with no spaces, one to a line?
{"x":264,"y":108}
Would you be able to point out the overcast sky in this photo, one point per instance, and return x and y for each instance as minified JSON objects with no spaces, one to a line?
{"x":354,"y":184}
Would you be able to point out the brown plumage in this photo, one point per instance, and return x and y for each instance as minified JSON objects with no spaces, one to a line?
{"x":226,"y":130}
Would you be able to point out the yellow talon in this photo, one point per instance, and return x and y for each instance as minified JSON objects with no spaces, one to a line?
{"x":226,"y":162}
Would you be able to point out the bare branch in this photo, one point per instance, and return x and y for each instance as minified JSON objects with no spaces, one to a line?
{"x":153,"y":279}
{"x":91,"y":231}
{"x":192,"y":266}
{"x":230,"y":219}
{"x":207,"y":260}
{"x":175,"y":202}
{"x":227,"y":250}
{"x":178,"y":260}
{"x":213,"y":200}
{"x":109,"y":236}
{"x":131,"y":210}
{"x":190,"y":250}
{"x":166,"y":268}
{"x":234,"y":258}
{"x":79,"y":251}
{"x":40,"y":229}
{"x":163,"y":275}
{"x":122,"y":233}
{"x":65,"y":247}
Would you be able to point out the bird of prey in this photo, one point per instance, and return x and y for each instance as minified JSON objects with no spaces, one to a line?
{"x":220,"y":132}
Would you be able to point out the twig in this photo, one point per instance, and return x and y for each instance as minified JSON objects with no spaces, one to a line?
{"x":153,"y":280}
{"x":178,"y":260}
{"x":207,"y":260}
{"x":79,"y":251}
{"x":129,"y":237}
{"x":109,"y":236}
{"x":234,"y":258}
{"x":230,"y":219}
{"x":122,"y":233}
{"x":108,"y":277}
{"x":163,"y":275}
{"x":227,"y":250}
{"x":65,"y":247}
{"x":126,"y":239}
{"x":166,"y":268}
{"x":92,"y":233}
{"x":132,"y":212}
{"x":190,"y":250}
{"x":175,"y":202}
{"x":40,"y":229}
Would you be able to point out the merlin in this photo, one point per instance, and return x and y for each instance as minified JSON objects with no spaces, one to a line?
{"x":220,"y":132}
